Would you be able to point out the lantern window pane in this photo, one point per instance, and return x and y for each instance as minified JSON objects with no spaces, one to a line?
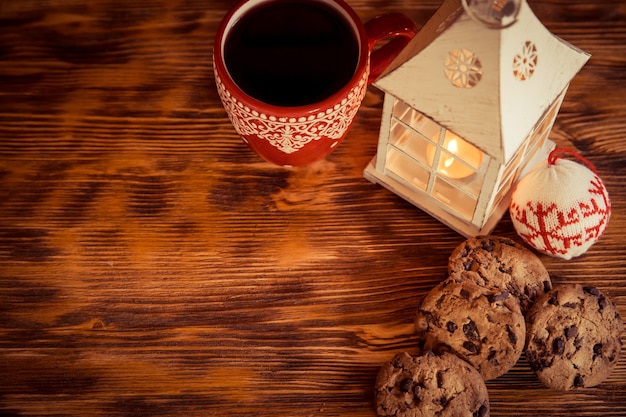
{"x":458,"y":161}
{"x":403,"y":111}
{"x":542,"y":130}
{"x":533,"y":143}
{"x":510,"y":172}
{"x":505,"y":186}
{"x":454,"y":198}
{"x":497,"y":200}
{"x":409,"y":142}
{"x":415,"y":120}
{"x":406,"y":169}
{"x":545,"y":122}
{"x":474,"y":182}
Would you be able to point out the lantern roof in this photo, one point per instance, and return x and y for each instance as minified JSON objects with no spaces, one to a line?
{"x":489,"y":86}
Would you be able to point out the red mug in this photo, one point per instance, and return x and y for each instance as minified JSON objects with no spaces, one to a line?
{"x":283,"y":116}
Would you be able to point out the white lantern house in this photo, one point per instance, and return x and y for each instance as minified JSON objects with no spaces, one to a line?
{"x":467,"y":110}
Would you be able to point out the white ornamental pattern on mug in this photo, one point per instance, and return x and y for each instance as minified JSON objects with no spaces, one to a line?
{"x":290,"y":134}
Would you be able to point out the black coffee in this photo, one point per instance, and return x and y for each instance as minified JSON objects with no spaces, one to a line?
{"x":291,"y":53}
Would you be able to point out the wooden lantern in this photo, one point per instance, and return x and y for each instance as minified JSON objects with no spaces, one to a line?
{"x":467,"y":109}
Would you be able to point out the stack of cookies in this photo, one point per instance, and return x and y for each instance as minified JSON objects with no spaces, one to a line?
{"x":497,"y":300}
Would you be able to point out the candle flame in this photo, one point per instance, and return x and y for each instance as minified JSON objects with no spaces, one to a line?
{"x":457,"y":149}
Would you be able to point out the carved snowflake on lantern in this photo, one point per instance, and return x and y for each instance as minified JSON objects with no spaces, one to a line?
{"x":525,"y":62}
{"x":463,"y":68}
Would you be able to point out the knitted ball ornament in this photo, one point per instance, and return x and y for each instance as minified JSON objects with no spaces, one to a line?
{"x":561,"y":207}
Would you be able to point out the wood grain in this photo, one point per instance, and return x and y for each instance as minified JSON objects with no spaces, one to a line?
{"x":150,"y":264}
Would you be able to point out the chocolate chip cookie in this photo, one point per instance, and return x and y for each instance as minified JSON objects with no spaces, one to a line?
{"x":573,"y":338}
{"x":499,"y":262}
{"x":430,"y":385}
{"x":481,"y":325}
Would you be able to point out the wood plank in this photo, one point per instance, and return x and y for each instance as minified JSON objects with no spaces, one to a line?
{"x":150,"y":264}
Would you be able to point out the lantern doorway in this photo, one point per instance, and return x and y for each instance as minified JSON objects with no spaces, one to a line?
{"x":427,"y":157}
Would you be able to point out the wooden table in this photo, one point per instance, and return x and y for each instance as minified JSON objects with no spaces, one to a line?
{"x":151,"y":265}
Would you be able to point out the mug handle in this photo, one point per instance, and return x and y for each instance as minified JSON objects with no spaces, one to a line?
{"x":398,"y":26}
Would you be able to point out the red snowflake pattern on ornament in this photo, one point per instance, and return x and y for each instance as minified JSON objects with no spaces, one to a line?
{"x":555,"y":230}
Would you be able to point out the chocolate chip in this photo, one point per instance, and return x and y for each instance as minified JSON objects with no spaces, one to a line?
{"x":487,"y":245}
{"x":481,"y":412}
{"x":545,"y":363}
{"x":464,"y":293}
{"x":591,"y":290}
{"x":421,"y":344}
{"x":571,"y":331}
{"x":507,"y":242}
{"x":571,"y":305}
{"x":492,"y":357}
{"x":579,"y":381}
{"x":505,"y":270}
{"x":597,"y":350}
{"x":397,"y":362}
{"x":440,"y":379}
{"x":439,"y":300}
{"x":547,"y":286}
{"x":493,"y":298}
{"x":602,"y":302}
{"x":467,"y":264}
{"x":578,"y":343}
{"x":451,"y":326}
{"x":558,"y":346}
{"x":512,"y":335}
{"x":406,"y":384}
{"x":471,"y":331}
{"x":532,"y":358}
{"x":447,"y":282}
{"x":540,"y":342}
{"x":536,"y":362}
{"x":471,"y":347}
{"x":554,"y":299}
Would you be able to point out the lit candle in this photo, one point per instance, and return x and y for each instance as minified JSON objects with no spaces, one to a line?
{"x":456,"y":149}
